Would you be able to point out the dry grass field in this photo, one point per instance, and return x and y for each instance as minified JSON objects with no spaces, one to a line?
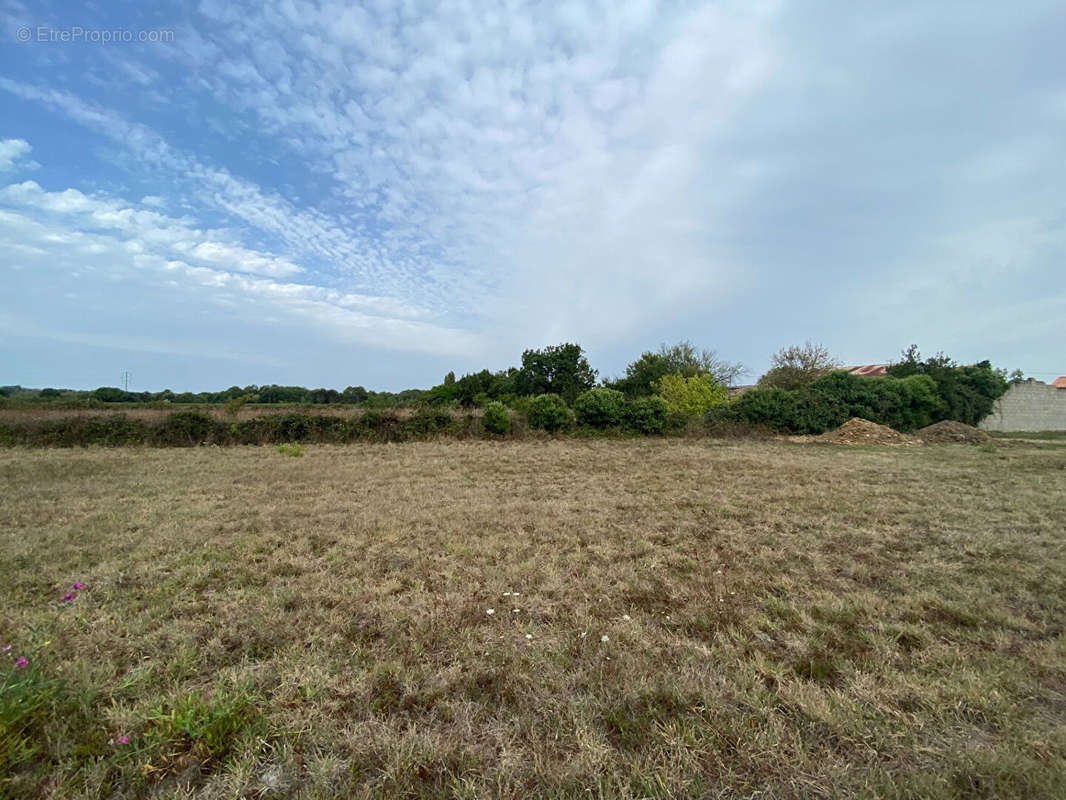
{"x":594,"y":619}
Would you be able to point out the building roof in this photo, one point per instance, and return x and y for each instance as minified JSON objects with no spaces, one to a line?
{"x":870,"y":370}
{"x":1059,"y":382}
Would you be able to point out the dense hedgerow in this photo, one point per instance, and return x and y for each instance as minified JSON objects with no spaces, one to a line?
{"x":496,"y":419}
{"x":548,"y":412}
{"x":901,"y":403}
{"x":965,"y":393}
{"x":600,"y":408}
{"x":191,"y":428}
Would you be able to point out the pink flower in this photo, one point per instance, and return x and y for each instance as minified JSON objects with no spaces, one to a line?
{"x":69,"y":596}
{"x":5,"y":648}
{"x":123,"y":740}
{"x":22,"y":663}
{"x":78,"y":585}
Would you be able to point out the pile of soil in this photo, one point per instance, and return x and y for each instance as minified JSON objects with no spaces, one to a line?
{"x":862,"y":431}
{"x":950,"y":432}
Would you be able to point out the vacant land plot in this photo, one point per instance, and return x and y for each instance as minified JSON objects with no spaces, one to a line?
{"x":536,"y":619}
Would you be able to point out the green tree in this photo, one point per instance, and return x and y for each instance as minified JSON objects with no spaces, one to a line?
{"x":110,"y":394}
{"x":354,"y":394}
{"x":692,"y":396}
{"x":798,"y":366}
{"x":682,"y":359}
{"x":559,"y":369}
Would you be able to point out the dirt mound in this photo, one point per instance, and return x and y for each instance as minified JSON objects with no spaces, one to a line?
{"x":951,"y":432}
{"x":862,"y":431}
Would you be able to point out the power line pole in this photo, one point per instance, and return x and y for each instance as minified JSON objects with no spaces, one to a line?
{"x":126,"y":380}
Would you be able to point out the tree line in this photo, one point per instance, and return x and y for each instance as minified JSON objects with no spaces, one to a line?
{"x":804,"y":391}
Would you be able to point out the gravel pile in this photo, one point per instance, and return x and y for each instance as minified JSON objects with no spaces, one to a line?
{"x":951,"y":432}
{"x":862,"y":431}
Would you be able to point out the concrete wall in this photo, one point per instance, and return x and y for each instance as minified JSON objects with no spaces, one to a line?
{"x":1029,"y":406}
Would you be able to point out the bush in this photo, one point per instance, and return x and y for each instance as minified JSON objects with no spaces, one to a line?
{"x":293,"y":449}
{"x":646,"y":414}
{"x":497,"y":419}
{"x":777,"y":410}
{"x":600,"y":408}
{"x":549,"y":412}
{"x":693,"y":395}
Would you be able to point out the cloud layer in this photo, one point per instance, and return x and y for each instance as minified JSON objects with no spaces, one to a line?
{"x":461,"y":181}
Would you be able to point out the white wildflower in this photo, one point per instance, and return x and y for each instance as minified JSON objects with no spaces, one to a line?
{"x":490,"y":611}
{"x":605,"y":638}
{"x":625,"y":617}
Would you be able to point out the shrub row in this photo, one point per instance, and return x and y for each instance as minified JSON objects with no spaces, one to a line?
{"x":190,"y":428}
{"x":905,"y":404}
{"x":598,"y":409}
{"x":604,"y":409}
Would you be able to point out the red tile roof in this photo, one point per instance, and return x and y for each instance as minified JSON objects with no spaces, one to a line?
{"x":870,"y":370}
{"x":1060,"y":382}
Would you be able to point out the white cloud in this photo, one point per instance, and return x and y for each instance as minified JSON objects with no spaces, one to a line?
{"x":474,"y":157}
{"x":146,"y":229}
{"x":55,"y":254}
{"x":581,"y":170}
{"x":12,"y":151}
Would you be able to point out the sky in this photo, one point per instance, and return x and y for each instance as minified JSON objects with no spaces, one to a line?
{"x":335,"y":194}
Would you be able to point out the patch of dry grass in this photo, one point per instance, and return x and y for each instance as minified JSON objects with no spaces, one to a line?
{"x":669,"y":619}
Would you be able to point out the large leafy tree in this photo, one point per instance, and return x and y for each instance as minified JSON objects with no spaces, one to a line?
{"x":682,"y":359}
{"x":560,"y":369}
{"x":798,"y":366}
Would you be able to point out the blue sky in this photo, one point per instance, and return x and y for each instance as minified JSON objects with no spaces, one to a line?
{"x":331,"y":194}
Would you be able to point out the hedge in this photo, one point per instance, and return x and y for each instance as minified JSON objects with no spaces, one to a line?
{"x":901,"y":403}
{"x":191,"y":428}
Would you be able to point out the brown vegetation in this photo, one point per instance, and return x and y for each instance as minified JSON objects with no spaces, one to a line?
{"x":668,"y":619}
